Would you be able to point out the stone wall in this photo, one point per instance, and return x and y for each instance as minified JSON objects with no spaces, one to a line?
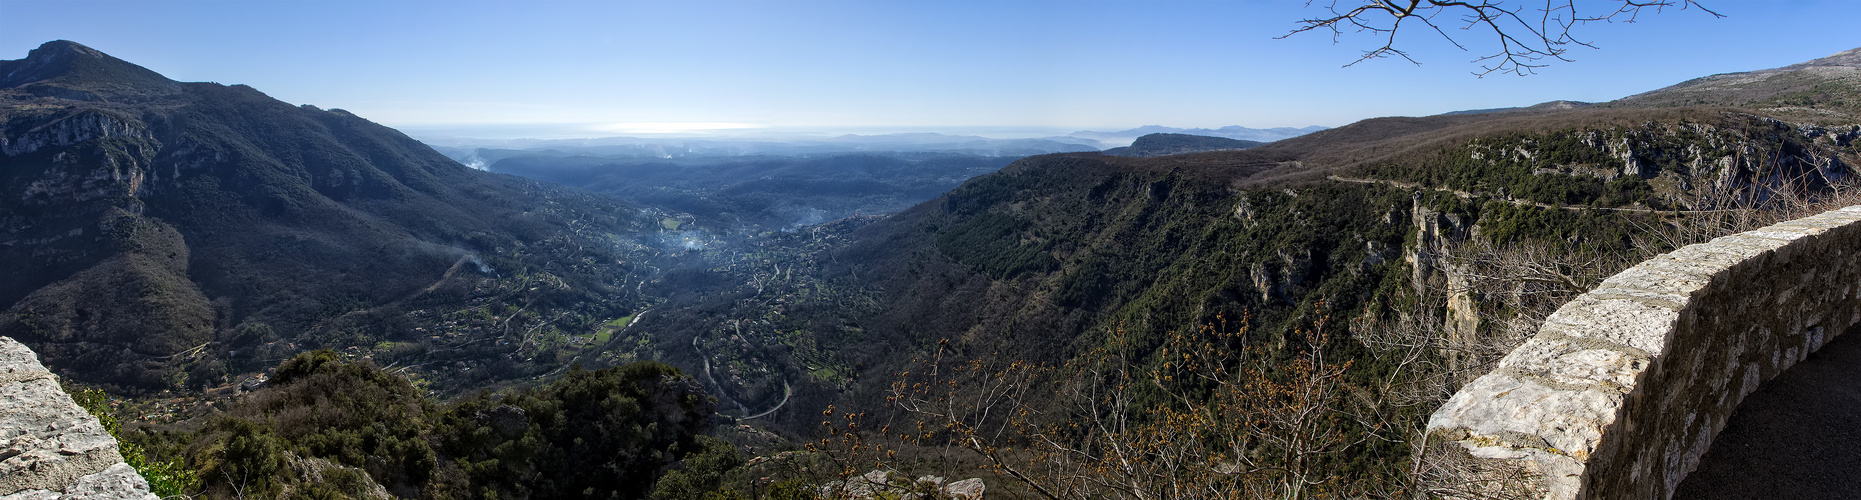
{"x":50,"y":448}
{"x":1622,"y":390}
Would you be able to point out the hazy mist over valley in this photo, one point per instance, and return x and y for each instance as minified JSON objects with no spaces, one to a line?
{"x":857,"y":250}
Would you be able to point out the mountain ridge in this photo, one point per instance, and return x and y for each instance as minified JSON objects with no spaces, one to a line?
{"x":78,"y":67}
{"x":1820,"y":89}
{"x":1160,"y":144}
{"x":233,"y":229}
{"x":1125,"y":137}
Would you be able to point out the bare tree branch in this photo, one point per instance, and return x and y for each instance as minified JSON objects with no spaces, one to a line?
{"x":1525,"y":38}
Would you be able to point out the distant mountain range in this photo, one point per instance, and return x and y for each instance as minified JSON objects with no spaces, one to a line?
{"x":1543,"y":106}
{"x":459,"y":148}
{"x":643,"y":147}
{"x":1175,"y":144}
{"x":1126,"y":137}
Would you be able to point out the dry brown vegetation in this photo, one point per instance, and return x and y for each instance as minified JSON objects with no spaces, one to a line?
{"x":1218,"y":418}
{"x":1400,"y":141}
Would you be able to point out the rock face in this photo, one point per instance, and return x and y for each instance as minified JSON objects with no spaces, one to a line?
{"x":1623,"y":389}
{"x":25,"y":138}
{"x":1696,"y":165}
{"x":1435,"y":232}
{"x":49,"y":447}
{"x":884,"y":484}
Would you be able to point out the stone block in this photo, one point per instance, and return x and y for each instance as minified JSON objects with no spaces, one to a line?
{"x":1642,"y":325}
{"x":1501,"y":416}
{"x":1627,"y":385}
{"x":48,"y":444}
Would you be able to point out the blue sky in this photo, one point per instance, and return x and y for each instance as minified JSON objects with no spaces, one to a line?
{"x":1003,"y":66}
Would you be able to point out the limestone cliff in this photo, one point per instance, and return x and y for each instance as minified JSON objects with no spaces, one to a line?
{"x":1430,"y":268}
{"x":1737,"y":159}
{"x":49,"y":447}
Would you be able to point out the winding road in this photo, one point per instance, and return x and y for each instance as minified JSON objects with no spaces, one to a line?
{"x":1515,"y":201}
{"x":787,"y":390}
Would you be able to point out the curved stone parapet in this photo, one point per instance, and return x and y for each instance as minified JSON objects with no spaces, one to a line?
{"x":1622,"y":390}
{"x":50,"y":448}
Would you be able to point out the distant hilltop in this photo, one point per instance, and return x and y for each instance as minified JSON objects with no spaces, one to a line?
{"x":1173,"y":144}
{"x":1126,"y":137}
{"x":1558,"y":105}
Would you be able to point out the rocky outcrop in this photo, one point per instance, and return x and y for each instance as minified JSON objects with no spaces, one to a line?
{"x":87,"y":125}
{"x":1435,"y":233}
{"x":81,"y":156}
{"x":49,"y":447}
{"x":1623,"y":389}
{"x":885,"y":484}
{"x":1735,"y":160}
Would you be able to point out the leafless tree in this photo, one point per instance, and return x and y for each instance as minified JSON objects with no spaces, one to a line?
{"x":1240,"y":423}
{"x":1527,"y":36}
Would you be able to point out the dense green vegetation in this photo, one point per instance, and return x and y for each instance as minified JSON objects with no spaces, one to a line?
{"x":994,"y":243}
{"x":1731,"y":161}
{"x":167,"y":478}
{"x":327,"y":428}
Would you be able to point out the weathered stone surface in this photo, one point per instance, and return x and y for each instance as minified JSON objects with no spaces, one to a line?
{"x":32,"y":495}
{"x":883,"y":484}
{"x":967,"y":489}
{"x":1523,"y":414}
{"x":1623,"y":389}
{"x":65,"y":131}
{"x":117,"y":482}
{"x":1638,"y":324}
{"x":51,"y":446}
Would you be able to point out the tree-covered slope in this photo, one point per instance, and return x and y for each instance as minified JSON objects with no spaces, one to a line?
{"x":329,"y":428}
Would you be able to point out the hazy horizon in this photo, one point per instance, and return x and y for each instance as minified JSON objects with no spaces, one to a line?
{"x":560,"y":132}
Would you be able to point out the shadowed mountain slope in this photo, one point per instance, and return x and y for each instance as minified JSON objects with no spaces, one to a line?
{"x":156,"y":226}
